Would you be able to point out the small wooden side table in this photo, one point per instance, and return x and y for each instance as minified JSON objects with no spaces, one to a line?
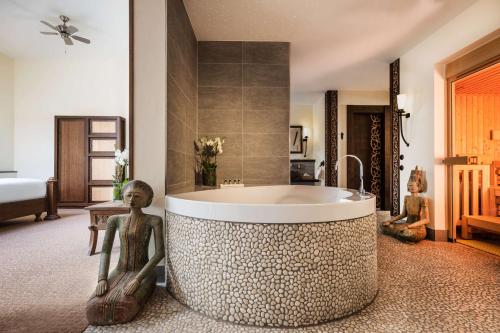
{"x":99,"y":214}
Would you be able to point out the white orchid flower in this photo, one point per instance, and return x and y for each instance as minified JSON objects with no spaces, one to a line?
{"x":125,"y":155}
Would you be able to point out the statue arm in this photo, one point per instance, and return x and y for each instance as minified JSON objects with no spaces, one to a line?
{"x":159,"y":249}
{"x":157,"y":224}
{"x":107,"y":245}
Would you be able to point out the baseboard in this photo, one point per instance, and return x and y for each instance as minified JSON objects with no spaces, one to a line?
{"x":437,"y":235}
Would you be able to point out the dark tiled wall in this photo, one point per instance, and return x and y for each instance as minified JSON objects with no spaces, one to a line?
{"x":182,"y":95}
{"x":244,"y":96}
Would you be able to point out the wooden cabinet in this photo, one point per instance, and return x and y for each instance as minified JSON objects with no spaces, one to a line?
{"x":84,"y":158}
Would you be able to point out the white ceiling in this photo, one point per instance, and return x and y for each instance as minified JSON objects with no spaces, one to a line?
{"x":104,"y":22}
{"x":335,"y":44}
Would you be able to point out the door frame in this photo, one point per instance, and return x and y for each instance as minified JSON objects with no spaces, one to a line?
{"x":130,"y":138}
{"x":386,"y":111}
{"x":331,"y":138}
{"x":469,"y":63}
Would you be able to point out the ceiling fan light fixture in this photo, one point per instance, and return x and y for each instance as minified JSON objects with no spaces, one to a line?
{"x":66,"y":32}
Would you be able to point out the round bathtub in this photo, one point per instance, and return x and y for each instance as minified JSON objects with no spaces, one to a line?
{"x":272,"y":255}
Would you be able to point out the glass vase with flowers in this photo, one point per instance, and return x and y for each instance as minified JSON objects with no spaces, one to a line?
{"x":208,"y":149}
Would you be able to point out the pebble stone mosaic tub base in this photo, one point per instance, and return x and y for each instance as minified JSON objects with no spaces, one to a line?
{"x":272,"y":274}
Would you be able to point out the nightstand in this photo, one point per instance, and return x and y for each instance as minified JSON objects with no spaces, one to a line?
{"x":99,"y":214}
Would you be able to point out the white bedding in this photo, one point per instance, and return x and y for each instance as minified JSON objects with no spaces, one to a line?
{"x":18,"y":189}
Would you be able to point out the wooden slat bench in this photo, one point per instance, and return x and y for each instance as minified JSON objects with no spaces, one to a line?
{"x":481,"y":222}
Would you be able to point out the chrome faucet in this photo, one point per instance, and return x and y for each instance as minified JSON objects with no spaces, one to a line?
{"x":361,"y":187}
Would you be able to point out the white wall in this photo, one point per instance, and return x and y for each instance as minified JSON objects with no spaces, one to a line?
{"x":421,"y":74}
{"x":150,"y":98}
{"x":6,"y":113}
{"x":353,"y":98}
{"x":68,"y":85}
{"x":303,"y":115}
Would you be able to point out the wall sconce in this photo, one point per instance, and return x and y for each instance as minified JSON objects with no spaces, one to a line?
{"x":305,"y":133}
{"x":401,"y":103}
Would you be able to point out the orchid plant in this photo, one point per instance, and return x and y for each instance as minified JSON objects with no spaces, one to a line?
{"x":208,"y":149}
{"x":120,"y":176}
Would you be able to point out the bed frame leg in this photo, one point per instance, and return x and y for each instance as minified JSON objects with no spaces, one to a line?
{"x":52,"y":199}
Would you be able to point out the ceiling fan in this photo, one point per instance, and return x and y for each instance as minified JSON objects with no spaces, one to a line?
{"x":66,"y":32}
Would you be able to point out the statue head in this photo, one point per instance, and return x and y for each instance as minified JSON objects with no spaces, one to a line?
{"x":413,"y":186}
{"x":137,"y":194}
{"x":418,"y":176}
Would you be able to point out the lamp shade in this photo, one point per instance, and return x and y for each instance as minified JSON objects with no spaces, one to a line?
{"x":305,"y":132}
{"x":402,"y":101}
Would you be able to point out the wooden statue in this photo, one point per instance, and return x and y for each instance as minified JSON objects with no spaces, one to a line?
{"x":415,"y":209}
{"x":120,"y":295}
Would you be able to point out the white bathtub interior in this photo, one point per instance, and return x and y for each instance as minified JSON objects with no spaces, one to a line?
{"x":285,"y":194}
{"x":272,"y":204}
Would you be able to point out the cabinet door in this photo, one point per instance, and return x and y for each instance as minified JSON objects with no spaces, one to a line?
{"x":71,"y":161}
{"x":100,"y":126}
{"x":103,"y":146}
{"x":101,"y":169}
{"x":101,"y":193}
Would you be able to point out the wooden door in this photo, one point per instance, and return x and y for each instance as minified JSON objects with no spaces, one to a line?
{"x":368,"y":137}
{"x":71,"y":161}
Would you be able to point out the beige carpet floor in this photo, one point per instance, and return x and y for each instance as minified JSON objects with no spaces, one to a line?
{"x":46,"y":275}
{"x":430,"y":287}
{"x":46,"y":278}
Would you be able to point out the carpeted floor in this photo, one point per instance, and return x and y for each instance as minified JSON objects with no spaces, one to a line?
{"x":46,"y":278}
{"x":429,"y":287}
{"x":46,"y":275}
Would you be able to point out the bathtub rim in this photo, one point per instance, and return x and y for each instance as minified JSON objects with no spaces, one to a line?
{"x":272,"y":213}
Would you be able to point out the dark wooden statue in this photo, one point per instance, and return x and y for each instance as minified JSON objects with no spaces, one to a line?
{"x":120,"y":296}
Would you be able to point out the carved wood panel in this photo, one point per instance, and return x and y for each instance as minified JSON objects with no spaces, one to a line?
{"x":393,"y":93}
{"x":331,"y":141}
{"x":376,"y":157}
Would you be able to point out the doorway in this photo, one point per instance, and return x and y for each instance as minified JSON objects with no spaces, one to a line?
{"x":369,"y":138}
{"x":475,"y":161}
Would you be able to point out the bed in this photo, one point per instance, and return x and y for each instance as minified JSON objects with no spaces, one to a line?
{"x":26,"y":196}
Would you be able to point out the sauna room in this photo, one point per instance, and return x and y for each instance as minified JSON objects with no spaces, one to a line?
{"x":475,"y":165}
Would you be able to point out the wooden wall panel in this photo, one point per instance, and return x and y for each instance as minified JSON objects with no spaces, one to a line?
{"x":476,"y":116}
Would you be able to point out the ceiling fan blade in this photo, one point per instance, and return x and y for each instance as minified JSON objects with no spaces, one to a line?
{"x":81,"y":39}
{"x":71,"y":29}
{"x":49,"y":25}
{"x":48,"y":33}
{"x":68,"y":41}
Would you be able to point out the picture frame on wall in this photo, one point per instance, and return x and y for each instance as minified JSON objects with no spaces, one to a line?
{"x":296,"y":139}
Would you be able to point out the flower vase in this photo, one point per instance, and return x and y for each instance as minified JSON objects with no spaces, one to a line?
{"x":210,"y":177}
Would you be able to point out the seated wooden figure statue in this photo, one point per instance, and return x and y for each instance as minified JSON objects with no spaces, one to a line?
{"x":120,"y":295}
{"x":416,"y":211}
